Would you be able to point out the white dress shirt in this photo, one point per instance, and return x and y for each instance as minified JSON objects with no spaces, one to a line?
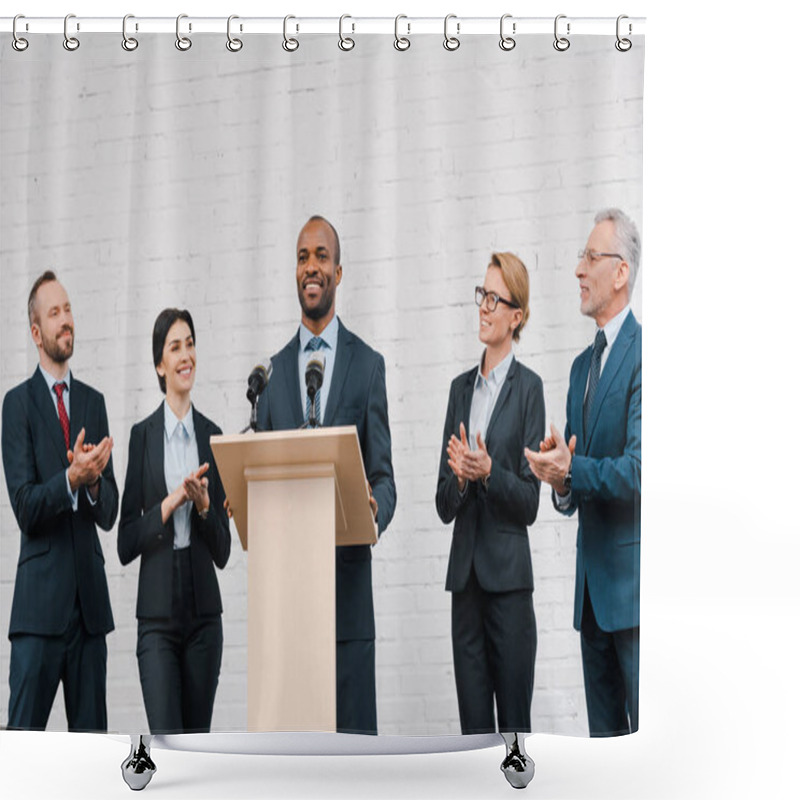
{"x":180,"y":458}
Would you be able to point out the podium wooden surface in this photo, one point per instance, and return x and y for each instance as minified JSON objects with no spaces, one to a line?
{"x":295,"y":496}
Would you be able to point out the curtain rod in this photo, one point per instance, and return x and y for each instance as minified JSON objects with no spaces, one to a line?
{"x":347,"y":25}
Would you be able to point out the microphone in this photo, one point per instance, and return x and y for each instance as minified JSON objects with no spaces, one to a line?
{"x":315,"y":373}
{"x":258,"y":380}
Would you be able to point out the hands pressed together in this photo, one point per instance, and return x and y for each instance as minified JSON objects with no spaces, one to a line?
{"x":554,"y":459}
{"x":193,"y":489}
{"x":87,"y":462}
{"x":467,"y":464}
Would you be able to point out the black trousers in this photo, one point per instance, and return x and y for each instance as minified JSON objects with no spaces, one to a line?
{"x":75,"y":659}
{"x":179,"y":660}
{"x":610,"y":675}
{"x":356,"y":710}
{"x":494,"y":650}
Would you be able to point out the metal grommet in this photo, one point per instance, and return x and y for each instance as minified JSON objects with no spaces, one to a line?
{"x":623,"y":45}
{"x":561,"y":43}
{"x":401,"y":42}
{"x":70,"y":42}
{"x":233,"y":44}
{"x":289,"y":44}
{"x":507,"y":42}
{"x":129,"y":43}
{"x":346,"y":42}
{"x":18,"y":43}
{"x":451,"y":42}
{"x":183,"y":43}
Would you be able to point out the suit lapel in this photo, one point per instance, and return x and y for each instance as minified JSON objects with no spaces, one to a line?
{"x":466,"y":406}
{"x":578,"y":396}
{"x":202,"y":437}
{"x":291,"y":386}
{"x":615,"y":358}
{"x":40,"y":399}
{"x":155,"y":451}
{"x":505,"y":391}
{"x":344,"y":355}
{"x":77,"y":412}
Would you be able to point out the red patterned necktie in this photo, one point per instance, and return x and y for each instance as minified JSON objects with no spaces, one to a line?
{"x":59,"y":389}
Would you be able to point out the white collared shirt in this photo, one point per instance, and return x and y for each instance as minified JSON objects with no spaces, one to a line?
{"x":484,"y":398}
{"x":330,"y":335}
{"x":180,"y":459}
{"x":51,"y":382}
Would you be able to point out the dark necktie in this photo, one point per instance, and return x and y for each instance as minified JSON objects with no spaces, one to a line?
{"x":314,"y":344}
{"x":594,"y":376}
{"x":59,"y":389}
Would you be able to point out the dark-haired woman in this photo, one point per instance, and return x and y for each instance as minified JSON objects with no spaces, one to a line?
{"x":495,"y":410}
{"x":173,"y":518}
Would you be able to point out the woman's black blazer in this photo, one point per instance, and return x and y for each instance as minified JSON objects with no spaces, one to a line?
{"x":141,"y":532}
{"x":491,"y":528}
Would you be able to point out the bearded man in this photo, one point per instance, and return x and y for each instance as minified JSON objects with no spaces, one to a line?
{"x":353,"y":392}
{"x":57,"y":462}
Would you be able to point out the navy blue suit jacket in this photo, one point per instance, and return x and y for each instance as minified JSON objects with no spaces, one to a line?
{"x":606,"y":481}
{"x":60,"y":554}
{"x":141,"y":532}
{"x":357,"y":396}
{"x":491,"y":528}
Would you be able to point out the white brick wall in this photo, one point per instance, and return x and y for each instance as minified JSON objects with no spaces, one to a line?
{"x":162,"y":178}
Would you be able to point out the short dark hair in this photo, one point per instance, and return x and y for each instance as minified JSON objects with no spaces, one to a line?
{"x":337,"y":253}
{"x":164,"y":321}
{"x":45,"y":277}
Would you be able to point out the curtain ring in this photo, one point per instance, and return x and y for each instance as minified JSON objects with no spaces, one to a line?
{"x":623,"y":45}
{"x":129,"y":43}
{"x":289,"y":44}
{"x":561,"y":43}
{"x":18,"y":43}
{"x":70,"y":42}
{"x":233,"y":44}
{"x":401,"y":42}
{"x":451,"y":42}
{"x":346,"y":42}
{"x":183,"y":43}
{"x":507,"y":42}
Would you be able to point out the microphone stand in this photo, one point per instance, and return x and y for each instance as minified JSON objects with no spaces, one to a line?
{"x":251,"y":426}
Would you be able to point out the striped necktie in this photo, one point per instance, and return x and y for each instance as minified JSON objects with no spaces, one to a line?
{"x":59,"y":389}
{"x":594,"y":376}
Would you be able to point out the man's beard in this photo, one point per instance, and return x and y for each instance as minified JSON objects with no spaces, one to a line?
{"x":321,"y":309}
{"x":56,"y":350}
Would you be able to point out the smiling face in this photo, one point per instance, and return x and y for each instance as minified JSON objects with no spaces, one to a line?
{"x":604,"y":281}
{"x":178,"y":360}
{"x":317,"y":274}
{"x":497,"y":327}
{"x":52,"y":328}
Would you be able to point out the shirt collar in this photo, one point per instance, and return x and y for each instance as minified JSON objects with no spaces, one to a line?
{"x":613,"y":326}
{"x":498,"y":374}
{"x":329,"y":334}
{"x":51,"y":381}
{"x":171,"y":421}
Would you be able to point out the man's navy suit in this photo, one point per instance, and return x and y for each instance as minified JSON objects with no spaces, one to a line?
{"x":606,"y":492}
{"x":357,"y":396}
{"x":490,"y":572}
{"x":60,"y":583}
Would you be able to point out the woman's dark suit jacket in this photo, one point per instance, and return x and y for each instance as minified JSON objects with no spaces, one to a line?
{"x":141,"y":532}
{"x":491,"y":529}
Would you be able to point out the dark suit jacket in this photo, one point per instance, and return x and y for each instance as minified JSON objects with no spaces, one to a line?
{"x":357,"y":396}
{"x":60,"y":554}
{"x":141,"y":532}
{"x":606,"y":481}
{"x":491,"y":524}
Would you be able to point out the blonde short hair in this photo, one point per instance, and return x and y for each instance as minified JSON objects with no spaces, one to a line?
{"x":515,"y":276}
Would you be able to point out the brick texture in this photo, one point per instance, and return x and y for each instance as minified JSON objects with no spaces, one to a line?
{"x":160,"y":178}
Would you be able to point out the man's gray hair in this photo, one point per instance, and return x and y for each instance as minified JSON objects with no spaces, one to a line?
{"x":628,"y":237}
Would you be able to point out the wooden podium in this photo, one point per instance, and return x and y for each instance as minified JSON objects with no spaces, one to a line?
{"x":295,"y":495}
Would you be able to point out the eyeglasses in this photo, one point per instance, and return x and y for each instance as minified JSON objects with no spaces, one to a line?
{"x":592,"y":255}
{"x":491,"y":298}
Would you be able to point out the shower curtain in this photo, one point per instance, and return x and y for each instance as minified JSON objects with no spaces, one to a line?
{"x":163,"y":178}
